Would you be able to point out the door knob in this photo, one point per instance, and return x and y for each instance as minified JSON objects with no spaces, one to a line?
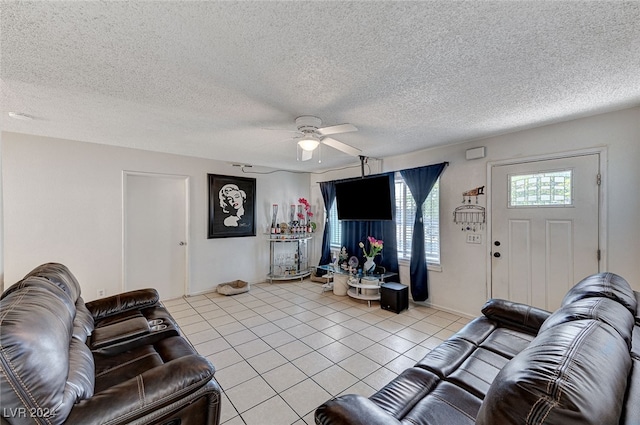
{"x":497,"y":243}
{"x":182,"y":243}
{"x":496,"y":254}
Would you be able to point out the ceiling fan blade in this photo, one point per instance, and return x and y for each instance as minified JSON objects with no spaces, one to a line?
{"x":343,"y":147}
{"x":335,"y":129}
{"x":284,"y":130}
{"x":306,"y":155}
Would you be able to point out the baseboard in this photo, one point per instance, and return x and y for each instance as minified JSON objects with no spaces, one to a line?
{"x":445,"y":309}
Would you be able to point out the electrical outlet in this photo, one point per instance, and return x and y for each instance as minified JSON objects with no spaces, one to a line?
{"x":102,"y":293}
{"x":474,"y":238}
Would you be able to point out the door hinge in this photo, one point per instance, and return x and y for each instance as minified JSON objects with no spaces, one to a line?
{"x":599,"y":179}
{"x":598,"y":254}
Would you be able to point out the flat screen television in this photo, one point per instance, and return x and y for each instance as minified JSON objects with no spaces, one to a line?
{"x":364,"y":199}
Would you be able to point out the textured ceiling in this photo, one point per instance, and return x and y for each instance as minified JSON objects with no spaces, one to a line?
{"x":217,"y":79}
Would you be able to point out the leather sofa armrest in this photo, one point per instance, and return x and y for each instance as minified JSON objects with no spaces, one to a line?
{"x":119,"y":303}
{"x":146,"y":393}
{"x":118,"y":333}
{"x":520,"y":316}
{"x":352,"y":409}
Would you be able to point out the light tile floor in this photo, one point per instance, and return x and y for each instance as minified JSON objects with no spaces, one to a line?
{"x":282,"y":349}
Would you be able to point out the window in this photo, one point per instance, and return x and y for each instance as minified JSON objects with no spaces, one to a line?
{"x":405,"y":213}
{"x":546,"y":189}
{"x":336,"y":229}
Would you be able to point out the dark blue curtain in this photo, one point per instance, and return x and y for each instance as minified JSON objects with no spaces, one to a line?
{"x":328,"y":190}
{"x":354,"y":232}
{"x":420,"y":182}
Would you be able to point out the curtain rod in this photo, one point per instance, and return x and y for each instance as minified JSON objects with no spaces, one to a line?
{"x":446,"y":164}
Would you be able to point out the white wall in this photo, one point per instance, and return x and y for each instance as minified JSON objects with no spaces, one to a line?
{"x":63,"y":203}
{"x":462,"y":284}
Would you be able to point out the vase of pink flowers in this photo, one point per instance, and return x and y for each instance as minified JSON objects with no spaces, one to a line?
{"x":375,"y":247}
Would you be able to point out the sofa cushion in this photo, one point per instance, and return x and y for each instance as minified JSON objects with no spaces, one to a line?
{"x":83,"y":324}
{"x":637,"y":318}
{"x":573,"y":373}
{"x":605,"y":310}
{"x":608,"y":285}
{"x":439,"y":407}
{"x":35,"y":368}
{"x":151,"y":395}
{"x":635,"y":343}
{"x":82,"y":376}
{"x":507,"y":342}
{"x":478,"y":371}
{"x":113,"y":369}
{"x":631,"y":409}
{"x":400,"y":395}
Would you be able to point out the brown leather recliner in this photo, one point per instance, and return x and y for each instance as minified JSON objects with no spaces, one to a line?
{"x":118,"y":360}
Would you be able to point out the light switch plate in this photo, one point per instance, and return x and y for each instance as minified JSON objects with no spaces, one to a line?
{"x":474,"y":238}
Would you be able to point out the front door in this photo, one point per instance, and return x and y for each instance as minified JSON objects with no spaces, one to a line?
{"x":155,"y":233}
{"x":545,"y":228}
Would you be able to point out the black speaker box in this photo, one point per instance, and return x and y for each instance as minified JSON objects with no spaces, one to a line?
{"x":394,"y":297}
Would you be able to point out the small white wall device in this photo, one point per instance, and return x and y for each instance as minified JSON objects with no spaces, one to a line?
{"x":475,"y":153}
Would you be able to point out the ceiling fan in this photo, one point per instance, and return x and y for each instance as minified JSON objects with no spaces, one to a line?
{"x":312,"y":135}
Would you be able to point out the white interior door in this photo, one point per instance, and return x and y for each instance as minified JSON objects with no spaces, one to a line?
{"x":155,"y":233}
{"x":544,"y":228}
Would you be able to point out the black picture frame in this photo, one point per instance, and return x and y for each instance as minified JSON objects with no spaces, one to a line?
{"x":232,"y":206}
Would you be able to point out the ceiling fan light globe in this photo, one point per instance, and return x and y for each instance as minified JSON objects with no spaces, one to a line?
{"x":308,"y":144}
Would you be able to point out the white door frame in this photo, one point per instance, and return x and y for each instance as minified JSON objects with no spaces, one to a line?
{"x":602,"y":200}
{"x":125,"y":173}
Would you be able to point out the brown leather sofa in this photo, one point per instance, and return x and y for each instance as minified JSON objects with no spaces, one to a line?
{"x":520,"y":365}
{"x":116,"y":360}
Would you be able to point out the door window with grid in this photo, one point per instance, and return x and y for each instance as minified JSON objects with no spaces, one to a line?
{"x":543,"y":189}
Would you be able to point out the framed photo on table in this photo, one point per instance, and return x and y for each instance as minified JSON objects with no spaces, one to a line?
{"x":232,"y":206}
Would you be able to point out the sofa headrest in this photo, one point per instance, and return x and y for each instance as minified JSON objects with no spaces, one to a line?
{"x":37,"y":350}
{"x":605,"y":310}
{"x":608,"y":285}
{"x":573,"y":373}
{"x":520,"y":316}
{"x":59,"y":275}
{"x":44,"y":284}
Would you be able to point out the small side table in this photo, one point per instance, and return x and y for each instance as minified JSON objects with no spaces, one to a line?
{"x":394,"y":297}
{"x":361,"y":289}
